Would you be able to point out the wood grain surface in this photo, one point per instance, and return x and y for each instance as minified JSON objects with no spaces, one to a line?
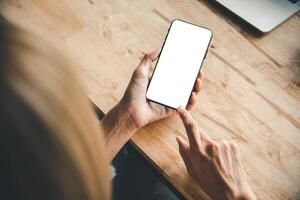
{"x":251,"y":91}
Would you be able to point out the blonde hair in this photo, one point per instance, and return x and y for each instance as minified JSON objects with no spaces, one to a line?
{"x":50,"y":142}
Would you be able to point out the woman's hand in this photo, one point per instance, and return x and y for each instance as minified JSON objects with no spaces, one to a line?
{"x":143,"y":111}
{"x":216,"y":166}
{"x":134,"y":111}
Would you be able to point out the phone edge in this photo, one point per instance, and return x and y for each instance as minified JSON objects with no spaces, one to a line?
{"x":160,"y":54}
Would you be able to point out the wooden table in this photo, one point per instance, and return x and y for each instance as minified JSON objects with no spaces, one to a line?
{"x":251,"y":93}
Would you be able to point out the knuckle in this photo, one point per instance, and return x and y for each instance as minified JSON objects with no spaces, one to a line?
{"x":212,"y":149}
{"x":205,"y":157}
{"x":195,"y":150}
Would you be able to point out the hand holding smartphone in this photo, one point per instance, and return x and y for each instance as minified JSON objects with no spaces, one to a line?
{"x":178,"y":64}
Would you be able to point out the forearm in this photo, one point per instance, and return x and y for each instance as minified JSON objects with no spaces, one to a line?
{"x":118,"y":127}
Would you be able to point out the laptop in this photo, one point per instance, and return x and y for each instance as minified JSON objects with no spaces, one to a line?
{"x":265,"y":15}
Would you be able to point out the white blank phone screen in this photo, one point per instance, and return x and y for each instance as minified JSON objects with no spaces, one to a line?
{"x":179,"y":64}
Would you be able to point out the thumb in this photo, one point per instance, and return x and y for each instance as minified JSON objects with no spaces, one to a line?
{"x":184,"y":151}
{"x":144,"y":66}
{"x":154,"y":54}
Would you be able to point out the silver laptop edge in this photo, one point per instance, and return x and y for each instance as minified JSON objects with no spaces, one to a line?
{"x":265,"y":15}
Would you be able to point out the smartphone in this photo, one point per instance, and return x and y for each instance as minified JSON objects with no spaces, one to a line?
{"x":178,"y":64}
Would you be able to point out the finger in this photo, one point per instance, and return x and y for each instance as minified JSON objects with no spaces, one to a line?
{"x":144,"y":66}
{"x":184,"y":151}
{"x":197,"y":87}
{"x":235,"y":150}
{"x":192,"y":101}
{"x":170,"y":111}
{"x":154,"y":54}
{"x":237,"y":166}
{"x":191,"y":128}
{"x":229,"y":155}
{"x":225,"y":151}
{"x":141,"y":56}
{"x":201,"y":75}
{"x":183,"y":146}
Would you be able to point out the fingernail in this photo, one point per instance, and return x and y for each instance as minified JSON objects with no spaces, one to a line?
{"x":178,"y":138}
{"x":181,"y":108}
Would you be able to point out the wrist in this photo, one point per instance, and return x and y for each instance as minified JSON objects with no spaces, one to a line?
{"x":133,"y":113}
{"x":117,"y":128}
{"x":119,"y":118}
